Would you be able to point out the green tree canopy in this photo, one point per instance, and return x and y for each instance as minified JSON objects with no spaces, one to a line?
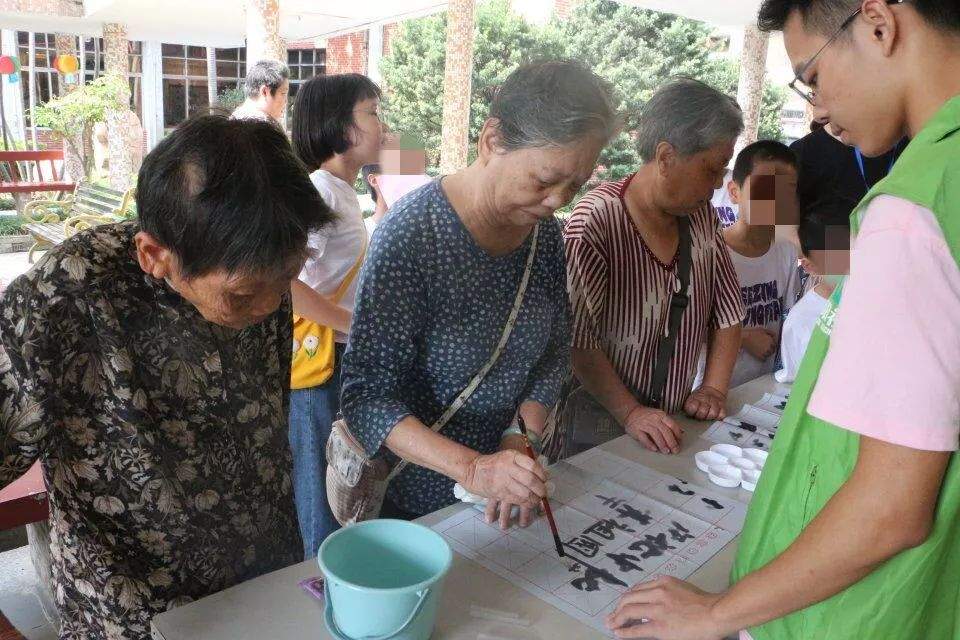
{"x":635,"y":49}
{"x":73,"y":114}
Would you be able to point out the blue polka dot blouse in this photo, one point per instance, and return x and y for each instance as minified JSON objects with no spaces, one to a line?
{"x":431,"y":307}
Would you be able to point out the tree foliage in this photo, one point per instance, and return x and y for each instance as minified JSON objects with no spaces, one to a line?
{"x":635,"y":49}
{"x":73,"y":114}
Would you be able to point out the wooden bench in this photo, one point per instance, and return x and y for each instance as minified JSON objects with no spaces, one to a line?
{"x":24,"y":501}
{"x":23,"y":172}
{"x":7,"y":632}
{"x":50,"y":222}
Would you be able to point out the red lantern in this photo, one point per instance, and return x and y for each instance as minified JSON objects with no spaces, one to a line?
{"x":8,"y":65}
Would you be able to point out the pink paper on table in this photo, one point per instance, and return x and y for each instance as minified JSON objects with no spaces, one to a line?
{"x":393,"y":186}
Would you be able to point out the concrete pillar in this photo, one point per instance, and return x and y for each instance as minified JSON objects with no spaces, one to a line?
{"x":152,"y":85}
{"x":124,"y":133}
{"x":12,"y":93}
{"x":211,"y":76}
{"x":375,"y":52}
{"x":67,"y":45}
{"x":457,"y":77}
{"x":753,"y":68}
{"x":263,"y":32}
{"x":32,"y":86}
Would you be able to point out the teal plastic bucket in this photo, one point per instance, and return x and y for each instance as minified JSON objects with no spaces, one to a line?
{"x":383,"y":580}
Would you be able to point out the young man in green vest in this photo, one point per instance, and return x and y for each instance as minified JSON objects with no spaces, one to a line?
{"x":854,"y":530}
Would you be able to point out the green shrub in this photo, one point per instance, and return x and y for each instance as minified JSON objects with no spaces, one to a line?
{"x":11,"y":226}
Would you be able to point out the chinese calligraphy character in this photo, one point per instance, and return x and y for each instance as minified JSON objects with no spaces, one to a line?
{"x":587,"y":547}
{"x":613,"y":503}
{"x":625,"y":562}
{"x":652,"y":546}
{"x":712,"y":503}
{"x":592,"y":577}
{"x":606,"y":528}
{"x":679,"y":532}
{"x":677,"y":489}
{"x":641,"y":517}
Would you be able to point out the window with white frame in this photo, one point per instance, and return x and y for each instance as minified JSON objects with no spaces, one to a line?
{"x":184,"y":82}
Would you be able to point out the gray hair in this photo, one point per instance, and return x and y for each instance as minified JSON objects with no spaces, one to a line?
{"x":551,"y":104}
{"x":691,"y":116}
{"x":266,"y":73}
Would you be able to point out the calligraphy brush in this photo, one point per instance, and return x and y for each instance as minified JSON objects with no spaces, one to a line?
{"x":546,"y":503}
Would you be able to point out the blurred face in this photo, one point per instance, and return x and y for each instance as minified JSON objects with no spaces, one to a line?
{"x":368,"y":134}
{"x":403,"y":162}
{"x":235,"y":301}
{"x":275,"y":105}
{"x":834,"y":258}
{"x":769,"y":195}
{"x":831,"y":262}
{"x":686,"y":183}
{"x":527,"y":185}
{"x":854,"y":78}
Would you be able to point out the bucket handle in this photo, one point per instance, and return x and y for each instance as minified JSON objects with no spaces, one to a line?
{"x":413,"y":615}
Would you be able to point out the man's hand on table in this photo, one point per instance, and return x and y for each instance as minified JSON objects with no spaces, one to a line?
{"x":653,"y":429}
{"x":674,"y":610}
{"x":706,"y":403}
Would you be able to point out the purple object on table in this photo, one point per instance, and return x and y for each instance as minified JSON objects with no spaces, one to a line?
{"x":313,"y":586}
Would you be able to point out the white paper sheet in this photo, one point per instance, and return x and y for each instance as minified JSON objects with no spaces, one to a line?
{"x":755,"y":420}
{"x":722,"y":432}
{"x":772,"y":403}
{"x":620,"y":522}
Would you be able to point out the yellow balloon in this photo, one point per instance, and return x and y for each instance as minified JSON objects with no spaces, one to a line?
{"x":67,"y":64}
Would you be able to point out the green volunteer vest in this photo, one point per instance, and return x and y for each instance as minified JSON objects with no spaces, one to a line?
{"x":916,"y":594}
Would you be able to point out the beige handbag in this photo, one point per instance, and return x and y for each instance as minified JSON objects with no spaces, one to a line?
{"x":357,"y":483}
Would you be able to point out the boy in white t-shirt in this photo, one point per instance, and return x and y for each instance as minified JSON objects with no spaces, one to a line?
{"x":725,"y":207}
{"x":764,"y":186}
{"x":826,"y":258}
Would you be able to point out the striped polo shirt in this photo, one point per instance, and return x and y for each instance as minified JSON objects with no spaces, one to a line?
{"x":621,"y":292}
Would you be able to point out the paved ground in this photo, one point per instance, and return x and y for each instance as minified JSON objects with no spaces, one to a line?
{"x":12,"y":265}
{"x":18,"y":597}
{"x":18,"y":581}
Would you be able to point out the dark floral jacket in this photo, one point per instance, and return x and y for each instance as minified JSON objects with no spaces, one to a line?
{"x":163,"y":437}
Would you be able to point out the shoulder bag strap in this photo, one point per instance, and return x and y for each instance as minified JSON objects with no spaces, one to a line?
{"x":354,"y":270}
{"x":678,"y":304}
{"x":464,"y":395}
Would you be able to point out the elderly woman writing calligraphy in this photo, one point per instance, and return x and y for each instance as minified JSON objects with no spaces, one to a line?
{"x":439,"y":284}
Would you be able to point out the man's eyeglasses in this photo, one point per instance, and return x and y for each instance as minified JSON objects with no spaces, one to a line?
{"x":798,"y":84}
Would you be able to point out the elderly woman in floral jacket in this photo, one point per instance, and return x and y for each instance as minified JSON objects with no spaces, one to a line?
{"x":145,"y":364}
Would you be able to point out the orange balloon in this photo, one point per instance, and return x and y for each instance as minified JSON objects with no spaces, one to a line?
{"x":66,"y":64}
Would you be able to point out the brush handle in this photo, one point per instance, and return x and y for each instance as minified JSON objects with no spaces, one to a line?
{"x":546,"y":503}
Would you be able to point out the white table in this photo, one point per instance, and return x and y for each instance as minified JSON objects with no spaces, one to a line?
{"x":274,"y":607}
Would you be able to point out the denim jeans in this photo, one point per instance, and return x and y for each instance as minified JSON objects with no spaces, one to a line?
{"x":312,"y":413}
